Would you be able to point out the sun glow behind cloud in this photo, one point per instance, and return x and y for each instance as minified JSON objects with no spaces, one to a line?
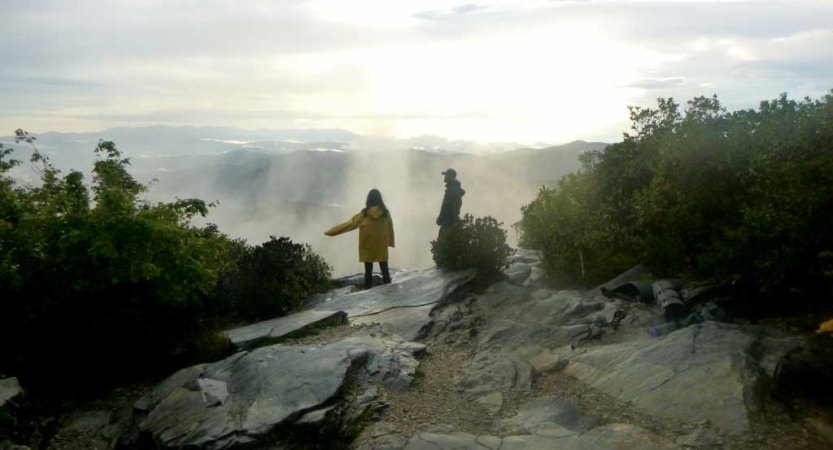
{"x":523,"y":70}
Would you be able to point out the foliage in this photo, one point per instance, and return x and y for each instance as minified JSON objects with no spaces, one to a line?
{"x":272,"y":279}
{"x":744,"y":196}
{"x":472,"y":243}
{"x":97,"y":280}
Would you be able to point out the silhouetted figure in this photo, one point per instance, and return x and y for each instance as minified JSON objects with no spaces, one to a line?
{"x":375,"y":236}
{"x":452,"y":201}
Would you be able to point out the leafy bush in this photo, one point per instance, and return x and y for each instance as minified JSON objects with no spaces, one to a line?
{"x":744,"y":196}
{"x":110,"y":286}
{"x":272,"y":279}
{"x":472,"y":243}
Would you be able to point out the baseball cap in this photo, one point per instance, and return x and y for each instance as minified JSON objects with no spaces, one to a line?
{"x":451,"y":172}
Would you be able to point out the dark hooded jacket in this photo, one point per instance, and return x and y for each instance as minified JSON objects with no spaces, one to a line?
{"x":452,"y":201}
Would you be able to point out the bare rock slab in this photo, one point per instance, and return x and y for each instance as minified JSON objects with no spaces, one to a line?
{"x":405,"y":305}
{"x":248,"y":396}
{"x":700,"y":438}
{"x":258,"y":334}
{"x":607,"y":437}
{"x":549,"y":410}
{"x":9,"y":389}
{"x":701,"y":372}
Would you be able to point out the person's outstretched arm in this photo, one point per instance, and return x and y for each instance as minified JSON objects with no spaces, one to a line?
{"x":345,"y":227}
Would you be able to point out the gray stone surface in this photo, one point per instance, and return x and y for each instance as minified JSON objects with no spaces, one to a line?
{"x":526,"y":321}
{"x":700,"y":438}
{"x":241,"y":399}
{"x":547,"y":411}
{"x":416,"y":288}
{"x":410,"y":323}
{"x":492,"y":401}
{"x":773,"y":349}
{"x":706,"y":371}
{"x":321,"y":300}
{"x":701,"y":372}
{"x":518,"y":273}
{"x":445,"y":441}
{"x":255,"y":335}
{"x":380,"y":436}
{"x":537,"y":276}
{"x":404,"y":306}
{"x":9,"y":389}
{"x":607,"y":437}
{"x":524,"y":256}
{"x":489,"y":370}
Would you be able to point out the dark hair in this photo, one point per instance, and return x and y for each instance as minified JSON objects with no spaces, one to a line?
{"x":374,"y":198}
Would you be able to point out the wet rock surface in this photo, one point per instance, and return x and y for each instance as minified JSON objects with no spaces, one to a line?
{"x":258,"y":334}
{"x":404,"y":306}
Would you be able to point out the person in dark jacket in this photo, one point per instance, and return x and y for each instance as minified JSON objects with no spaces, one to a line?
{"x":452,"y":201}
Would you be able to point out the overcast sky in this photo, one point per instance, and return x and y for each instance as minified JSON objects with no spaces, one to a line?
{"x":524,"y":71}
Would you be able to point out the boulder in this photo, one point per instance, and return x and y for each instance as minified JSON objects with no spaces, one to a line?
{"x":251,"y":395}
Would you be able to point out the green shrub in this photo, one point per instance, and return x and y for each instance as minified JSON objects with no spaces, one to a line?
{"x":741,"y":196}
{"x":272,"y":279}
{"x":472,"y":243}
{"x":103,"y":286}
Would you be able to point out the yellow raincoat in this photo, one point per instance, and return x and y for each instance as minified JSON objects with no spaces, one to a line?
{"x":375,"y":234}
{"x":826,"y":327}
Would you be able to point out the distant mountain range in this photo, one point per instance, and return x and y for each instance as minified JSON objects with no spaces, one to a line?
{"x":166,"y":141}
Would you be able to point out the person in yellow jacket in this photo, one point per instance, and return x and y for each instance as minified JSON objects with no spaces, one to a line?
{"x":375,"y":235}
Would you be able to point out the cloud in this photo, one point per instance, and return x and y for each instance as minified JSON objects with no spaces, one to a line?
{"x":497,"y":70}
{"x":467,"y":8}
{"x":18,"y":80}
{"x":459,"y":10}
{"x":654,"y":83}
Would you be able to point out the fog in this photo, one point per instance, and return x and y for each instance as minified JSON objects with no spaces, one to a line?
{"x":268,"y":183}
{"x":303,"y":194}
{"x":411,"y":184}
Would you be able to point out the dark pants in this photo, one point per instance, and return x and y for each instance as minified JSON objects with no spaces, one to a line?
{"x":368,"y":273}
